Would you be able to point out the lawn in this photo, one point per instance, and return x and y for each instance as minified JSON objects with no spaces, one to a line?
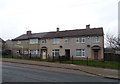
{"x":105,"y":64}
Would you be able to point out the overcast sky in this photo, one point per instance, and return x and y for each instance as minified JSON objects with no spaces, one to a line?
{"x":18,"y":16}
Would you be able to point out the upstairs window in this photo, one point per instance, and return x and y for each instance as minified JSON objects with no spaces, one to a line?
{"x":43,"y":41}
{"x":33,"y":41}
{"x":66,"y":40}
{"x":56,"y":41}
{"x":96,"y":39}
{"x":18,"y":42}
{"x":80,"y":40}
{"x":26,"y":42}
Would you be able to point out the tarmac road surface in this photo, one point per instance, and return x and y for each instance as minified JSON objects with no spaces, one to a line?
{"x":11,"y":73}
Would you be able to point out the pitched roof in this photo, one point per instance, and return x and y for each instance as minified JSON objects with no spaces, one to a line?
{"x":1,"y":40}
{"x":66,"y":33}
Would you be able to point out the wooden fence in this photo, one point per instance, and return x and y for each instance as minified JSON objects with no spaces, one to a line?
{"x":111,"y":57}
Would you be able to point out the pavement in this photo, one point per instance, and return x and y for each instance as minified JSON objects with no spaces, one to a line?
{"x":102,"y":72}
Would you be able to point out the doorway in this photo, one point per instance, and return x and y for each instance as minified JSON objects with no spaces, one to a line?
{"x":44,"y":54}
{"x":67,"y":54}
{"x":96,"y":55}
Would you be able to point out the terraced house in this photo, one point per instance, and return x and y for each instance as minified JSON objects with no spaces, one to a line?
{"x":80,"y":44}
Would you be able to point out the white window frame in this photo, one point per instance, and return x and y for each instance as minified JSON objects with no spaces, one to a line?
{"x":56,"y":41}
{"x":34,"y":52}
{"x":37,"y":52}
{"x":26,"y":52}
{"x":55,"y":51}
{"x":83,"y":40}
{"x":81,"y":51}
{"x":96,"y":39}
{"x":80,"y":40}
{"x":18,"y":42}
{"x":33,"y":41}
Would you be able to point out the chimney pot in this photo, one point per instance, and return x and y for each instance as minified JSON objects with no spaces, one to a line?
{"x":57,"y":29}
{"x":88,"y":26}
{"x":28,"y":32}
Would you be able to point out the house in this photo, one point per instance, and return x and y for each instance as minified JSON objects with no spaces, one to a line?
{"x":8,"y":47}
{"x":2,"y":46}
{"x":79,"y":43}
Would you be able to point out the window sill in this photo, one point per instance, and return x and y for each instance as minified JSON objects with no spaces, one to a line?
{"x":81,"y":42}
{"x":80,"y":56}
{"x":56,"y":43}
{"x":97,"y":42}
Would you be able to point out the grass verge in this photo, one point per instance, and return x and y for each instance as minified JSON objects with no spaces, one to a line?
{"x":105,"y":64}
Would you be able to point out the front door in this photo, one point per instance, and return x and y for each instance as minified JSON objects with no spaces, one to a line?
{"x":95,"y":55}
{"x":67,"y":54}
{"x":44,"y":53}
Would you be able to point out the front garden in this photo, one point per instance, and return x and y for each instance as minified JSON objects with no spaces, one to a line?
{"x":102,"y":64}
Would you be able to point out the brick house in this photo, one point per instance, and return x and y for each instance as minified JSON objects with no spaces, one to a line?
{"x":80,"y":44}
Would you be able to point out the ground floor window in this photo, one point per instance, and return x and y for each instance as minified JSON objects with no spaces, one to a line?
{"x":25,"y":52}
{"x":55,"y":52}
{"x":80,"y":52}
{"x":18,"y":52}
{"x":34,"y":52}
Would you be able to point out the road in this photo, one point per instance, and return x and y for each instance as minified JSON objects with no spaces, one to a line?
{"x":24,"y":73}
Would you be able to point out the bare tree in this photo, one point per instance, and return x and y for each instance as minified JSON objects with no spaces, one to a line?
{"x":113,"y":41}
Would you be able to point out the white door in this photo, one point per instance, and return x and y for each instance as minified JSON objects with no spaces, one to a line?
{"x":43,"y":54}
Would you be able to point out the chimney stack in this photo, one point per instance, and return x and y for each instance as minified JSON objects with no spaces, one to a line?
{"x":58,"y":29}
{"x":28,"y":32}
{"x":88,"y":26}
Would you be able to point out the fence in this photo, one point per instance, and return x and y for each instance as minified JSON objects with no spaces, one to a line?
{"x":58,"y":58}
{"x":111,"y":57}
